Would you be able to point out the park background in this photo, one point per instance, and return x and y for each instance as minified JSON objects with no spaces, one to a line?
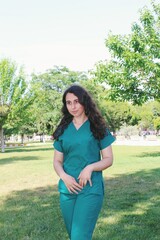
{"x":112,"y":49}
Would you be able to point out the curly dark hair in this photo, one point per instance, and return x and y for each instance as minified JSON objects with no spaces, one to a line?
{"x":97,"y":122}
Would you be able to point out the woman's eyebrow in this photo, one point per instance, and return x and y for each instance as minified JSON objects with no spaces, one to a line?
{"x":76,"y":99}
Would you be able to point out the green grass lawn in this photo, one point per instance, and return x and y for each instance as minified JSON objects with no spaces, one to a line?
{"x":29,"y":201}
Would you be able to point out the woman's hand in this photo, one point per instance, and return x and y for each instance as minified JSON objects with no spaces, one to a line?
{"x":71,"y":184}
{"x":85,"y":176}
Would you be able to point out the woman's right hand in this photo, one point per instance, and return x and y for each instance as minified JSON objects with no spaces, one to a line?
{"x":71,"y":184}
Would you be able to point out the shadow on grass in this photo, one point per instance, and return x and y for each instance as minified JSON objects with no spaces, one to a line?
{"x":130,"y":211}
{"x":4,"y":161}
{"x":149,"y":154}
{"x":32,"y":214}
{"x":131,"y":207}
{"x":28,"y":149}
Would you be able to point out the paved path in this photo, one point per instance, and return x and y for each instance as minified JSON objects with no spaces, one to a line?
{"x":139,"y":142}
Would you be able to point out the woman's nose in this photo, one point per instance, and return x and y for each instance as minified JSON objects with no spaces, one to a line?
{"x":73,"y":105}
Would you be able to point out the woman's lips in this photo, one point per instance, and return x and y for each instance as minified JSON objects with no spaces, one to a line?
{"x":74,"y":112}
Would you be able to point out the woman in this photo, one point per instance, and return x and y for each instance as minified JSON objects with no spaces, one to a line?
{"x":82,"y":150}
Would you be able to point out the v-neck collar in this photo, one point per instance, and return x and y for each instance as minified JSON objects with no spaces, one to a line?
{"x":77,"y":129}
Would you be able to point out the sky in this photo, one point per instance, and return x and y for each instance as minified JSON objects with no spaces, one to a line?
{"x":41,"y":34}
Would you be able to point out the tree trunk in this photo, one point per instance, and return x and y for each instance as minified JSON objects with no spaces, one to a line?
{"x":22,"y":138}
{"x":2,"y":140}
{"x":42,"y":138}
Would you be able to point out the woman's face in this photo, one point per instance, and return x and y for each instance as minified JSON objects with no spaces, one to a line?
{"x":73,"y":105}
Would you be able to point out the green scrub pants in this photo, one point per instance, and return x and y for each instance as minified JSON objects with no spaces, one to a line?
{"x":80,"y":213}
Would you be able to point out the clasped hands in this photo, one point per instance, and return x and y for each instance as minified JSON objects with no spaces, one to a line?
{"x":73,"y":186}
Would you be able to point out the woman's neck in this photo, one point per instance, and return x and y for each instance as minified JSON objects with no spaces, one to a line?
{"x":80,"y":119}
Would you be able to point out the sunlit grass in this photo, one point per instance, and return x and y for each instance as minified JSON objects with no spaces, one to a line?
{"x":29,"y":207}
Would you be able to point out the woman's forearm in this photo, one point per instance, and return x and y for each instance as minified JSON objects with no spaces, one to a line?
{"x":102,"y":164}
{"x":59,"y":169}
{"x":105,"y":162}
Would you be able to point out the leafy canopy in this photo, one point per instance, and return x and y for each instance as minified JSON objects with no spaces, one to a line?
{"x":133,"y":74}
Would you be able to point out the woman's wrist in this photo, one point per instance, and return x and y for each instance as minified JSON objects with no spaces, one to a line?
{"x":62,"y":175}
{"x":91,"y":167}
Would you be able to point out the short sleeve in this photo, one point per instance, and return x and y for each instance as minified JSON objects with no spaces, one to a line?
{"x":107,"y":140}
{"x":58,"y":145}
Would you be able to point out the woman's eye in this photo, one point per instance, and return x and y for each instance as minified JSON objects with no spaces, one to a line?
{"x":68,"y":103}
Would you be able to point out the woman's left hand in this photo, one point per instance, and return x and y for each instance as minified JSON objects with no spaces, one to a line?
{"x":85,"y":176}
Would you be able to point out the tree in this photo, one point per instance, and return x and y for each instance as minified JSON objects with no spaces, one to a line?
{"x":156,"y":123}
{"x":48,"y":88}
{"x":115,"y":114}
{"x":23,"y":122}
{"x":14,"y":94}
{"x":133,"y":74}
{"x":148,"y":113}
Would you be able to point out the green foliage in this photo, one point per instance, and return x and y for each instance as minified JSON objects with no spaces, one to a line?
{"x":156,"y":123}
{"x":148,"y":112}
{"x":115,"y":113}
{"x":128,"y":131}
{"x":133,"y":73}
{"x":48,"y":88}
{"x":8,"y":84}
{"x":15,"y":97}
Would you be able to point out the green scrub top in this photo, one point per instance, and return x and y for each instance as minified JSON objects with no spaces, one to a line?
{"x":80,"y":148}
